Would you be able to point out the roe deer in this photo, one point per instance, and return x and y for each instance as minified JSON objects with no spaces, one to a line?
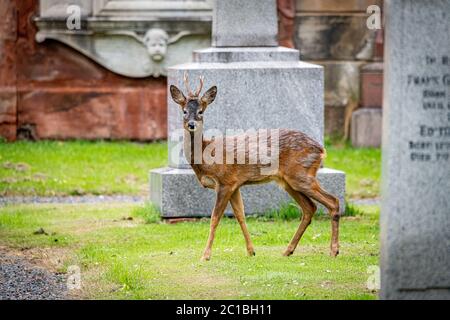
{"x":299,"y":158}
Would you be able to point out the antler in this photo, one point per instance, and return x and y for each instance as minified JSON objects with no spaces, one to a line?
{"x":188,"y":88}
{"x":201,"y":78}
{"x":186,"y":84}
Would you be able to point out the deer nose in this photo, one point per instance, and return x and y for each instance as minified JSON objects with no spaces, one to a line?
{"x":191,"y":124}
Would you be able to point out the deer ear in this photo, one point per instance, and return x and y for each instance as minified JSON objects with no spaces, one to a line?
{"x":209,"y":96}
{"x":177,"y":95}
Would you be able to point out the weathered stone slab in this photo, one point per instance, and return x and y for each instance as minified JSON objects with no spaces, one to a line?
{"x":177,"y":193}
{"x":249,"y":23}
{"x":341,"y":93}
{"x":58,"y":8}
{"x":172,"y":9}
{"x":226,"y":55}
{"x":415,"y":215}
{"x":366,"y":127}
{"x":342,"y":81}
{"x":334,"y":120}
{"x":334,"y":37}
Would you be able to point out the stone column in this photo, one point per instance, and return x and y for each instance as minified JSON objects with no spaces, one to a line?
{"x":415,"y":216}
{"x":260,"y":85}
{"x":250,"y":23}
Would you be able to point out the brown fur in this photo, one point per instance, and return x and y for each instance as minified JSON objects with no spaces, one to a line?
{"x":299,"y":160}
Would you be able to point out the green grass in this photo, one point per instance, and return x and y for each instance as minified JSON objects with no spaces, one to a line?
{"x":148,"y":212}
{"x":361,"y":165}
{"x":125,"y":258}
{"x":127,"y":252}
{"x":79,"y":167}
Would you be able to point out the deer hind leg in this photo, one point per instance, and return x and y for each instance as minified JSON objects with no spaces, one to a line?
{"x":223,"y":195}
{"x":238,"y":208}
{"x":308,"y":209}
{"x":311,"y":188}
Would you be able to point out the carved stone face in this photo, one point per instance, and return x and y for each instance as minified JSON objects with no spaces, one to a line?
{"x":156,"y":41}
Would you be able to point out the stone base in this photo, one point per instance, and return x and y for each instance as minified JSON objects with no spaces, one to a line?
{"x":366,"y":127}
{"x":177,"y":193}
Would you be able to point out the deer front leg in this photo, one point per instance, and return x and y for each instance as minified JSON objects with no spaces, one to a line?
{"x":238,"y":208}
{"x":223,"y":195}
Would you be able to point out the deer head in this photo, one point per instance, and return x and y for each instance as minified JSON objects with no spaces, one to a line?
{"x":193,"y":106}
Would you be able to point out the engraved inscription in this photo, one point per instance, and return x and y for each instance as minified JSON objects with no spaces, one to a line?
{"x":432,"y":142}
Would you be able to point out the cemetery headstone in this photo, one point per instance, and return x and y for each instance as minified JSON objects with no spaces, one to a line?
{"x":415,"y":216}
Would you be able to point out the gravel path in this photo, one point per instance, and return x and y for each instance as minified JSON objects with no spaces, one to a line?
{"x":116,"y":199}
{"x":71,"y":199}
{"x":20,"y":280}
{"x":366,"y":202}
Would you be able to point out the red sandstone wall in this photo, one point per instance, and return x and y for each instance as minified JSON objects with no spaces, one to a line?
{"x":49,"y":91}
{"x":8,"y":95}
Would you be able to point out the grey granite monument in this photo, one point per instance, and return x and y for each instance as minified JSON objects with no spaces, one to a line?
{"x":415,"y":216}
{"x":260,"y":85}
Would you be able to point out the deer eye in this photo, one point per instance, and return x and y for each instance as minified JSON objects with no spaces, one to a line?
{"x":184,"y":111}
{"x":200,"y":112}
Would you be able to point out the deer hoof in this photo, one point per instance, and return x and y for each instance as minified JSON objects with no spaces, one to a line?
{"x":334,"y":253}
{"x":205,"y":259}
{"x":251,"y":253}
{"x":288,"y":253}
{"x":206,"y":256}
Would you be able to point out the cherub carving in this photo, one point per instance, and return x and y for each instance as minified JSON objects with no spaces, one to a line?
{"x":131,"y":53}
{"x":155,"y":40}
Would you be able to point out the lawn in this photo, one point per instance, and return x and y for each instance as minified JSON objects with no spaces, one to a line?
{"x":125,"y":253}
{"x":50,"y":168}
{"x":78,"y":167}
{"x":362,"y":167}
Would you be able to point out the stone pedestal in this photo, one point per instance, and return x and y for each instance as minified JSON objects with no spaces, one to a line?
{"x":415,"y":213}
{"x":261,"y":87}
